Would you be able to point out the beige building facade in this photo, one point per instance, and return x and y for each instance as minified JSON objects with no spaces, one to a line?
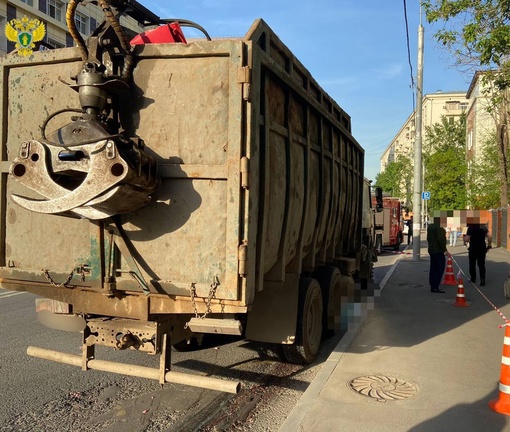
{"x":435,"y":105}
{"x":53,"y":14}
{"x":480,"y":124}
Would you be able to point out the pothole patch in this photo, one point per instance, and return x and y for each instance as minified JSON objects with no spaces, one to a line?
{"x":383,"y":388}
{"x":410,"y":285}
{"x":445,"y":300}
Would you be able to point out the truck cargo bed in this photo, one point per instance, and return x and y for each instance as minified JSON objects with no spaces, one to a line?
{"x":259,"y":204}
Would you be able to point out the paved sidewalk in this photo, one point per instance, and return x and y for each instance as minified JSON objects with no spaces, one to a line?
{"x":439,"y":364}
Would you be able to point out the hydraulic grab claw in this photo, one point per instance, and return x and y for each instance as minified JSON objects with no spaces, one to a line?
{"x":111,"y":185}
{"x":88,"y":168}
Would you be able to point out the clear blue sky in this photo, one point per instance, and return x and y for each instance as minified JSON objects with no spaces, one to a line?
{"x":356,"y":50}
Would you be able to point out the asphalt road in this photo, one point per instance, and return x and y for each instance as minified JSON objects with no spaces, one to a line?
{"x":40,"y":395}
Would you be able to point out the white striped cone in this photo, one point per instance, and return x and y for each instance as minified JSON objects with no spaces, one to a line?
{"x":502,"y":403}
{"x":449,"y":276}
{"x":460,"y":301}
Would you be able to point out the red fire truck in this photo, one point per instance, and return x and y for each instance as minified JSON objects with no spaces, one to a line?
{"x":389,"y":225}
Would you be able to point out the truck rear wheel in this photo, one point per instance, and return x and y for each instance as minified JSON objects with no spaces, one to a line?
{"x":399,"y":242}
{"x":329,"y":278}
{"x":309,"y":324}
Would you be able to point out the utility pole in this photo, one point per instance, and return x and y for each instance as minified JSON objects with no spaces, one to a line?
{"x":417,"y":150}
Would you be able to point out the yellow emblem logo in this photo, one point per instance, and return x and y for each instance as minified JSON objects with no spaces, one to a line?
{"x":25,"y":32}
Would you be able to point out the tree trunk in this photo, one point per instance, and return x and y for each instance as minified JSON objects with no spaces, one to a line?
{"x":502,"y":143}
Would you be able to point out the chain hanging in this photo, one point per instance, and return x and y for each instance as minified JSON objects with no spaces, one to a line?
{"x":208,"y":300}
{"x":193,"y":292}
{"x":58,"y":285}
{"x":81,"y":269}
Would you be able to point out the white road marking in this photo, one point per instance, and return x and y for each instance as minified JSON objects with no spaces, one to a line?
{"x":10,"y":294}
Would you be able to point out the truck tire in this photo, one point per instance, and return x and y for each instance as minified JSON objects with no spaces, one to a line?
{"x":329,"y":278}
{"x":364,"y":284}
{"x":366,"y":272}
{"x":309,"y":324}
{"x":399,"y":242}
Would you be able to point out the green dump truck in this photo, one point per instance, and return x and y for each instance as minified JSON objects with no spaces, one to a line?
{"x":159,"y":191}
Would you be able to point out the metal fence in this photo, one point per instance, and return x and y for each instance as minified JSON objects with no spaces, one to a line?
{"x":496,"y":220}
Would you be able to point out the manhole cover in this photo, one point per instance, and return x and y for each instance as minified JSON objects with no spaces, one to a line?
{"x":382,"y":387}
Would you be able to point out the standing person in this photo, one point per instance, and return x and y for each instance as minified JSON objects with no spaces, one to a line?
{"x":475,"y":236}
{"x":436,"y":239}
{"x":409,"y":224}
{"x":453,"y":236}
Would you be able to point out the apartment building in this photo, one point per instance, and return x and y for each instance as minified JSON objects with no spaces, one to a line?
{"x":53,"y":14}
{"x":435,"y":105}
{"x":480,"y":124}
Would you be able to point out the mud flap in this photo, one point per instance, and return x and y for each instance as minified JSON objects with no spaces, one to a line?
{"x":273,"y":316}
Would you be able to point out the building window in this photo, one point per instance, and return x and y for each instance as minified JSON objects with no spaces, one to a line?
{"x":28,"y":2}
{"x":55,"y":9}
{"x":54,"y":43}
{"x":69,"y":40}
{"x":451,"y":106}
{"x":82,"y":22}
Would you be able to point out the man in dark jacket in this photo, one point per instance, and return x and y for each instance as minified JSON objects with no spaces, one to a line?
{"x":475,"y":236}
{"x":436,"y":239}
{"x":409,"y":224}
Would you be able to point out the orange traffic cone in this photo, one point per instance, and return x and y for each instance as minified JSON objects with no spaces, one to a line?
{"x":502,"y":403}
{"x":449,"y":278}
{"x":461,"y":298}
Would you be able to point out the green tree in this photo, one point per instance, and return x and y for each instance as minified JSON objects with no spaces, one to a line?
{"x":477,"y":33}
{"x":389,"y":179}
{"x":396,"y":179}
{"x":483,"y":180}
{"x":474,"y":31}
{"x":445,"y":164}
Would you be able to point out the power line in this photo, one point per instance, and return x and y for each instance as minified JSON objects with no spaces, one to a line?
{"x":409,"y":49}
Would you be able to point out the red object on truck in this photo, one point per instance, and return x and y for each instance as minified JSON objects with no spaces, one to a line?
{"x":169,"y":33}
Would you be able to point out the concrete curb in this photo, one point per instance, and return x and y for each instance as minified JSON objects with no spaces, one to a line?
{"x":297,"y":415}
